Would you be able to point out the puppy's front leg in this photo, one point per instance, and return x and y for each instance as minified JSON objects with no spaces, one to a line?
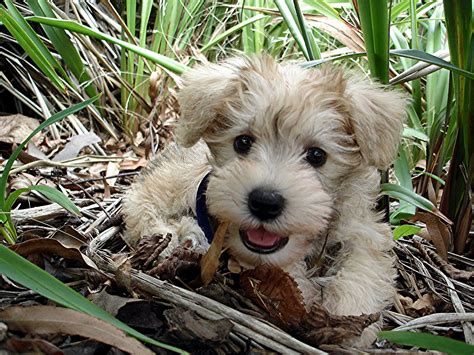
{"x":363,"y":274}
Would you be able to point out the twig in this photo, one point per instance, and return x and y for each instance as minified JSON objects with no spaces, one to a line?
{"x":437,"y":318}
{"x":267,"y":335}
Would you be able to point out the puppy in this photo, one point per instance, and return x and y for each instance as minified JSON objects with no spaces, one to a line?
{"x":290,"y":157}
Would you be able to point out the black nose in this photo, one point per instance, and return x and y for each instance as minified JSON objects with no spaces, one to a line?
{"x":265,"y":204}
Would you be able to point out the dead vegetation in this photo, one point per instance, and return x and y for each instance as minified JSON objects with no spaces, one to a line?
{"x":258,"y":310}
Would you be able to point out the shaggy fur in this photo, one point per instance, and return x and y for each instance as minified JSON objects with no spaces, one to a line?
{"x":286,"y":109}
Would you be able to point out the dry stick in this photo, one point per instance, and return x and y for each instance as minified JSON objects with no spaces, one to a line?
{"x":251,"y":327}
{"x":210,"y":309}
{"x":458,"y":307}
{"x":437,"y":318}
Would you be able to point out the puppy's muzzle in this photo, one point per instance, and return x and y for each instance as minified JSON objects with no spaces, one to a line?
{"x":265,"y":204}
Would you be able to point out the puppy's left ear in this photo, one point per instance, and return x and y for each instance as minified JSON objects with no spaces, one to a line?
{"x":377,"y":115}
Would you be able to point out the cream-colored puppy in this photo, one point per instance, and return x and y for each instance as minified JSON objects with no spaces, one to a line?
{"x":289,"y":156}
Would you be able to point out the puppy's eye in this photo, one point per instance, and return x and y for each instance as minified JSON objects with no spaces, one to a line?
{"x":243,"y":143}
{"x":316,"y":156}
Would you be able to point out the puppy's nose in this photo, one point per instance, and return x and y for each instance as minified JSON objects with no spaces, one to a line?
{"x":265,"y":204}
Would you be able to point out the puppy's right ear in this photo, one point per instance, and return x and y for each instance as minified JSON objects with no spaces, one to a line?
{"x":202,"y":96}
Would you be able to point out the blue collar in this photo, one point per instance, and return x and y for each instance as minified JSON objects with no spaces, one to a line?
{"x":202,"y":215}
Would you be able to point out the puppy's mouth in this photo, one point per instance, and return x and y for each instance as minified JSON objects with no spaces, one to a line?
{"x":261,"y":241}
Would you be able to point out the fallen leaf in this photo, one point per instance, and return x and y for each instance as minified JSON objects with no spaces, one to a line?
{"x":149,"y":249}
{"x":133,"y":164}
{"x":75,"y":145}
{"x":210,"y":260}
{"x":70,"y":237}
{"x":51,"y":247}
{"x":113,"y":169}
{"x":16,"y":128}
{"x":275,"y":291}
{"x":53,"y":320}
{"x":423,"y":306}
{"x":189,"y":326}
{"x":32,"y":346}
{"x":319,"y":327}
{"x":440,"y":233}
{"x":110,"y":303}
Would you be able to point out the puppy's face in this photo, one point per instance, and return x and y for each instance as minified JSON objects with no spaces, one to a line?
{"x":283,"y":139}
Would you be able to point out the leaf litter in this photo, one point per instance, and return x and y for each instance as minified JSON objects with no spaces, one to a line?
{"x":89,"y":254}
{"x":237,"y":311}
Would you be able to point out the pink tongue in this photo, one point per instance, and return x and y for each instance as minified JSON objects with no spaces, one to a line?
{"x":262,"y":238}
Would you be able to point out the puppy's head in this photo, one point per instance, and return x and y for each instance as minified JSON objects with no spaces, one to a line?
{"x":283,"y":139}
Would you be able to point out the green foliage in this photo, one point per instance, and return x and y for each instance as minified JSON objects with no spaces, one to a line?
{"x":29,"y":275}
{"x":428,"y":341}
{"x":169,"y":36}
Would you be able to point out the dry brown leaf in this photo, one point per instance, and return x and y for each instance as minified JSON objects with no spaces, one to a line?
{"x":31,"y":346}
{"x":423,"y":306}
{"x":464,"y":223}
{"x":16,"y":128}
{"x":210,"y":260}
{"x":319,"y":327}
{"x":75,"y":145}
{"x":149,"y":249}
{"x":52,"y":320}
{"x":133,"y":164}
{"x":110,"y":303}
{"x":274,"y":290}
{"x":340,"y":30}
{"x":23,"y":180}
{"x":440,"y":233}
{"x":70,"y":237}
{"x":277,"y":292}
{"x":52,"y":247}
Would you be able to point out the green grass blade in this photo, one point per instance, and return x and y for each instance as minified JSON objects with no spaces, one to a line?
{"x":289,"y":16}
{"x":432,"y":59}
{"x":309,"y":41}
{"x":159,"y":59}
{"x":63,"y":45}
{"x":404,"y":194}
{"x":231,"y":30}
{"x":31,"y":276}
{"x":49,"y":192}
{"x":53,"y":119}
{"x":323,"y":8}
{"x":405,"y":230}
{"x":428,"y":341}
{"x":374,"y":21}
{"x":31,"y":44}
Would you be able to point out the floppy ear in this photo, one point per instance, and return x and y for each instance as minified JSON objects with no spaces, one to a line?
{"x":377,"y":115}
{"x":202,"y":97}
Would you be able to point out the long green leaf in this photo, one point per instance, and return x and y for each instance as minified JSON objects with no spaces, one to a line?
{"x":30,"y":42}
{"x":404,"y":194}
{"x":31,"y":276}
{"x":231,"y":30}
{"x":432,"y":59}
{"x":289,"y":17}
{"x":406,"y":53}
{"x":159,"y":59}
{"x":374,"y":21}
{"x":49,"y":192}
{"x":428,"y":341}
{"x":405,"y":230}
{"x":63,"y":45}
{"x":53,"y":119}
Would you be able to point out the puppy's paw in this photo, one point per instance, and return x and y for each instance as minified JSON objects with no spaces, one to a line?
{"x":191,"y":236}
{"x":367,"y":337}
